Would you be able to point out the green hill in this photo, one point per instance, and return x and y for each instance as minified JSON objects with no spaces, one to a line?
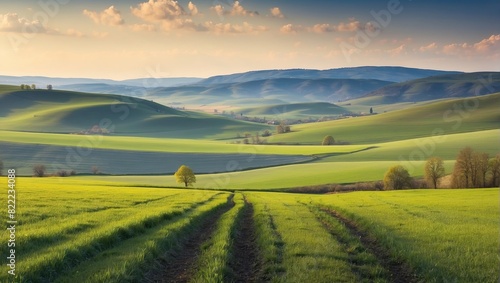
{"x":74,"y":112}
{"x":295,"y":110}
{"x":436,"y":87}
{"x":441,"y":117}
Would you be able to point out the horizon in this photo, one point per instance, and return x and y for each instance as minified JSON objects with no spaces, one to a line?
{"x":249,"y":71}
{"x":121,"y":40}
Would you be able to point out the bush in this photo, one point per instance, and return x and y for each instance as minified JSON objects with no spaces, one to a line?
{"x":397,"y":178}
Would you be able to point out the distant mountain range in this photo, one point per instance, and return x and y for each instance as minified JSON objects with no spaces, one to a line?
{"x":380,"y":85}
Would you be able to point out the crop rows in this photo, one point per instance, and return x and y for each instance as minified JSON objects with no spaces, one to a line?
{"x":163,"y":235}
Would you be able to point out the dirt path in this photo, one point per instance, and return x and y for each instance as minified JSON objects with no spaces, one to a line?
{"x":245,"y":263}
{"x":399,"y":271}
{"x":178,"y":266}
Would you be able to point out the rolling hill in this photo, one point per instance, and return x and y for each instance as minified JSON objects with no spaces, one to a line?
{"x":383,"y":73}
{"x":296,"y":110}
{"x":434,"y":118}
{"x":73,"y":112}
{"x":269,"y":91}
{"x":436,"y":87}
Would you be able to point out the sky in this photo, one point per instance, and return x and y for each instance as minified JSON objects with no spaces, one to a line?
{"x":164,"y":38}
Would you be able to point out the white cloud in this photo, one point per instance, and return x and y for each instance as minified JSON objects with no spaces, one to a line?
{"x":11,"y":22}
{"x":352,"y":25}
{"x":276,"y":12}
{"x":110,"y":16}
{"x":322,"y":28}
{"x":225,"y":28}
{"x":239,"y":10}
{"x":236,"y":10}
{"x":290,"y":29}
{"x":192,"y":8}
{"x":428,"y":48}
{"x":157,"y":10}
{"x":488,"y":46}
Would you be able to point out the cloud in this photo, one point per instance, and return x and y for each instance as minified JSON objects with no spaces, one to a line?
{"x":322,"y":28}
{"x":290,"y":29}
{"x":351,"y":26}
{"x":157,"y":10}
{"x":192,"y":8}
{"x":428,"y":48}
{"x":110,"y":16}
{"x":276,"y":12}
{"x":236,"y":10}
{"x":11,"y":22}
{"x":143,"y":27}
{"x":225,"y":28}
{"x":239,"y":10}
{"x":490,"y":45}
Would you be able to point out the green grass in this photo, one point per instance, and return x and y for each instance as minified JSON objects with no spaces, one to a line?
{"x":296,"y":246}
{"x":445,"y":235}
{"x":294,"y":110}
{"x":421,"y":121}
{"x":68,"y":112}
{"x":215,"y":256}
{"x":65,"y":225}
{"x":73,"y":231}
{"x":367,"y":165}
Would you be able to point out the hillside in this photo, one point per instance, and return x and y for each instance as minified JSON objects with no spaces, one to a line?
{"x":384,"y":73}
{"x":434,"y":118}
{"x":436,"y":87}
{"x":269,"y":91}
{"x":296,"y":110}
{"x":73,"y":112}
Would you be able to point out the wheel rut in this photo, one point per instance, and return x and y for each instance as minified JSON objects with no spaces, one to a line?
{"x":177,"y":266}
{"x":399,"y":271}
{"x":245,"y":263}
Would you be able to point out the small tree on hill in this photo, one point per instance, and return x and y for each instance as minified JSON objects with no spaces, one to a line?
{"x":49,"y":87}
{"x":39,"y":170}
{"x":185,"y":175}
{"x":328,"y":140}
{"x":434,"y":170}
{"x":397,"y":178}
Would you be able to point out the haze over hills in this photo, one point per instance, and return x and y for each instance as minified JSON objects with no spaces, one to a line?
{"x":438,"y":87}
{"x":383,"y":73}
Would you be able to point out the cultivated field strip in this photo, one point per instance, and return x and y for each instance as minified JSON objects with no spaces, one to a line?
{"x":299,"y":248}
{"x":131,"y":259}
{"x":86,"y":235}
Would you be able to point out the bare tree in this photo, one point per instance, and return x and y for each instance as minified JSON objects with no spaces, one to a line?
{"x":39,"y":170}
{"x":434,"y":170}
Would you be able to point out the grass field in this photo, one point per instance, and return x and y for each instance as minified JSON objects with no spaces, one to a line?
{"x":121,"y":234}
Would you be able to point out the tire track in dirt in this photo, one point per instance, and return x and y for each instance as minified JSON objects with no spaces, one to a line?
{"x":399,"y":271}
{"x":245,"y":264}
{"x":178,"y":266}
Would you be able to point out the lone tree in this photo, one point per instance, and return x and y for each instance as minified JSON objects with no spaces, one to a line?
{"x":39,"y":170}
{"x":397,"y":178}
{"x":434,"y":169}
{"x":185,"y":175}
{"x":328,"y":140}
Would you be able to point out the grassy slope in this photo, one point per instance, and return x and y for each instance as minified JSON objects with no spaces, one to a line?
{"x":445,"y":235}
{"x":295,"y":110}
{"x":444,"y":117}
{"x":367,"y":165}
{"x":63,"y":112}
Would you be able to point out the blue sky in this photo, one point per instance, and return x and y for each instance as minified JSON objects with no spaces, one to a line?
{"x":165,"y":38}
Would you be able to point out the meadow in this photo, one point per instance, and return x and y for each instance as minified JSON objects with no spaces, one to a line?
{"x":76,"y":232}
